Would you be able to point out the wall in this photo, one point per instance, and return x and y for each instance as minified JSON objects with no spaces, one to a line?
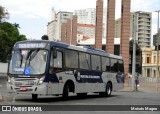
{"x":3,"y":69}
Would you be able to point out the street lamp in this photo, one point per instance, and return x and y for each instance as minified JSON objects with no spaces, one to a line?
{"x":135,"y":16}
{"x":157,"y":40}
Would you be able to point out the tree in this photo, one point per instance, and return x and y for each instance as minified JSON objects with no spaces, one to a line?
{"x":9,"y":35}
{"x":3,"y":14}
{"x":16,"y":25}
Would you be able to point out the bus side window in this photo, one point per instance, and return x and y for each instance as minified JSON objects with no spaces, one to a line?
{"x":114,"y":65}
{"x":105,"y":64}
{"x":96,"y":62}
{"x":58,"y":60}
{"x":56,"y":63}
{"x":120,"y":66}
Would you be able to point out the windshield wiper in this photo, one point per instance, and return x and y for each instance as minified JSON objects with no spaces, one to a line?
{"x":21,"y":60}
{"x":31,"y":55}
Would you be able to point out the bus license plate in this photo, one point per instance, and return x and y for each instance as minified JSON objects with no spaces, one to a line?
{"x":23,"y":89}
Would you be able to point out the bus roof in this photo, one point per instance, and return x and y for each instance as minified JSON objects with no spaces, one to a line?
{"x":38,"y":44}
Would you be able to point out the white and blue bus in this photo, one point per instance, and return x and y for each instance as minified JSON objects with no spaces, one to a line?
{"x":53,"y":68}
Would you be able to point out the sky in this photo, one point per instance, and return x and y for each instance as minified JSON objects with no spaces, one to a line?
{"x":34,"y":15}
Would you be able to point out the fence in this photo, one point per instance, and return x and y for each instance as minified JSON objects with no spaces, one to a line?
{"x":149,"y":84}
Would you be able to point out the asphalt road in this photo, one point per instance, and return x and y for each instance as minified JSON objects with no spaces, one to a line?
{"x":117,"y":98}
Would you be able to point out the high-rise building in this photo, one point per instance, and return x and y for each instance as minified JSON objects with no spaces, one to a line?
{"x":143,"y":22}
{"x":51,"y":29}
{"x":54,"y":26}
{"x":88,"y":16}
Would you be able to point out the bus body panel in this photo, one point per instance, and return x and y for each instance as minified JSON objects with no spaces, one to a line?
{"x":53,"y":84}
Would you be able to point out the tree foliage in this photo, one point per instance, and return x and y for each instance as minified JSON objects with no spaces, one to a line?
{"x":9,"y":35}
{"x":3,"y":14}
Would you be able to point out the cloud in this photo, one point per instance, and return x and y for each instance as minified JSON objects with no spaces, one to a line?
{"x":15,"y":12}
{"x":145,"y":5}
{"x":32,"y":16}
{"x":40,"y":8}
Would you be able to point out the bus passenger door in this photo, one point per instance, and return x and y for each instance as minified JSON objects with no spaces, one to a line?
{"x":55,"y":70}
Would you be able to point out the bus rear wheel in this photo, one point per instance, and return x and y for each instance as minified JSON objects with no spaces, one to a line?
{"x":108,"y":90}
{"x":34,"y":97}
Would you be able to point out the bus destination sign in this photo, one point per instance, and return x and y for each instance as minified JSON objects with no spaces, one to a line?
{"x":31,"y":45}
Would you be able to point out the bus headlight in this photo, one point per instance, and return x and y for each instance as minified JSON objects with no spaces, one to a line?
{"x":41,"y":80}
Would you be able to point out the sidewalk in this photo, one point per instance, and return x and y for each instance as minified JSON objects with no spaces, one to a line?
{"x":144,"y":87}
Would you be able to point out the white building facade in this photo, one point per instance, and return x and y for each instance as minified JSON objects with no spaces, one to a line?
{"x":149,"y":62}
{"x":54,"y":26}
{"x":88,"y":16}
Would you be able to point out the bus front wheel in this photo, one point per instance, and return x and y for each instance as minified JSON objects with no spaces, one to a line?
{"x":65,"y":92}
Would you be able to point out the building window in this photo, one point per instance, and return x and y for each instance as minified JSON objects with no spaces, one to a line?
{"x":154,"y":59}
{"x":148,"y":60}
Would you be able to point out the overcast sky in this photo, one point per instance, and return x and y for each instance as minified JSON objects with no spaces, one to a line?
{"x":33,"y":15}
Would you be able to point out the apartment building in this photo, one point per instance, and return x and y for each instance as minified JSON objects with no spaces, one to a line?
{"x":88,"y":16}
{"x":143,"y":27}
{"x":51,"y":29}
{"x":54,"y":26}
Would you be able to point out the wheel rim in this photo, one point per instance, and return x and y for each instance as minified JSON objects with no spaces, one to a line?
{"x":108,"y":90}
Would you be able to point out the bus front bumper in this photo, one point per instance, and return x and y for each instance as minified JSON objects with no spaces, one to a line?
{"x":36,"y":89}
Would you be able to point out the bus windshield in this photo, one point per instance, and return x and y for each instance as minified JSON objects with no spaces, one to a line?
{"x":28,"y":62}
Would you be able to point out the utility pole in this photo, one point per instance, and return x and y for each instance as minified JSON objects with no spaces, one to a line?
{"x":157,"y":40}
{"x":134,"y":86}
{"x":134,"y":51}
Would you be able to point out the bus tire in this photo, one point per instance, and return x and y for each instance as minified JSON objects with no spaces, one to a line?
{"x":108,"y":89}
{"x":34,"y":97}
{"x":65,"y":92}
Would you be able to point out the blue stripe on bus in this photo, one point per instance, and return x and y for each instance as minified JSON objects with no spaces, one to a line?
{"x":88,"y":76}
